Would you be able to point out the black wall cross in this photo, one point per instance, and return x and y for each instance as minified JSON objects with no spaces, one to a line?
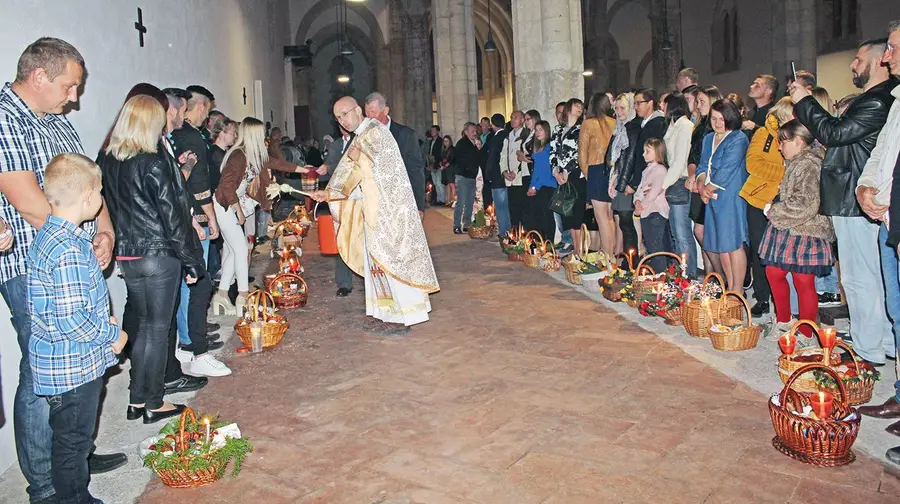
{"x":245,"y":96}
{"x":139,"y":26}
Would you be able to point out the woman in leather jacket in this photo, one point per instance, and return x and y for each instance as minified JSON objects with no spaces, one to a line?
{"x":620,"y":156}
{"x":155,"y":242}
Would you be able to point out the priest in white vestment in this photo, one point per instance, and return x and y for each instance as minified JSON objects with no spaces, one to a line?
{"x":379,"y":230}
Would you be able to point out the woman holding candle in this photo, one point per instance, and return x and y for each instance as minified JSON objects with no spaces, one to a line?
{"x":797,"y":239}
{"x":246,"y":172}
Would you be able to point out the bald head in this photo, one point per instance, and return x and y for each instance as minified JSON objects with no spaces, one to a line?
{"x":348,"y":113}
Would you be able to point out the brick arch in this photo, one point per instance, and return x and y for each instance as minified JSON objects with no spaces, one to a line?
{"x":323,"y":6}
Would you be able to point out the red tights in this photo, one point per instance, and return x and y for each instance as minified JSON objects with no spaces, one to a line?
{"x":805,"y":284}
{"x":808,"y":299}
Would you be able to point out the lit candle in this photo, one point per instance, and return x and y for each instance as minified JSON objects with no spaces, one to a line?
{"x":630,"y":264}
{"x":658,"y":294}
{"x":683,"y":265}
{"x":788,"y":343}
{"x":705,"y":304}
{"x":293,"y":265}
{"x":206,"y":422}
{"x":828,"y":337}
{"x":822,"y":404}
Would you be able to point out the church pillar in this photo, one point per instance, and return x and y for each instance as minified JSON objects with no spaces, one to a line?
{"x":666,"y":43}
{"x":418,"y":73}
{"x":396,"y":91}
{"x":793,"y":37}
{"x":549,"y":59}
{"x":454,"y":57}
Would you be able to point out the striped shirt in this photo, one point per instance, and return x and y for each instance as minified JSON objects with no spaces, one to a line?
{"x":68,"y":302}
{"x":28,"y":143}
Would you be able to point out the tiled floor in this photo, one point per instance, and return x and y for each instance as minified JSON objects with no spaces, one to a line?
{"x":519,"y":390}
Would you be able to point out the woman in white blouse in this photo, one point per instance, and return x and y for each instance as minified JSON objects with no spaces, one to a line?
{"x":678,"y":147}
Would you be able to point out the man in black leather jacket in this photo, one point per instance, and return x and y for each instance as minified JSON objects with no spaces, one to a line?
{"x":849,"y":140}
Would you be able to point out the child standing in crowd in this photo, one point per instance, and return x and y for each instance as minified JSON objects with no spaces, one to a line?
{"x":650,"y":202}
{"x":797,"y":238}
{"x":73,"y":336}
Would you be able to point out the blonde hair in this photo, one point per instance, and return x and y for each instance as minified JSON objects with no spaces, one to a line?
{"x":138,"y":128}
{"x":252,"y":141}
{"x":821,"y":95}
{"x":626,"y":99}
{"x":67,"y":177}
{"x":783,"y":110}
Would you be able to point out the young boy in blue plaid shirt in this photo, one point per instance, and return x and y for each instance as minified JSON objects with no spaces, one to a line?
{"x":73,"y":337}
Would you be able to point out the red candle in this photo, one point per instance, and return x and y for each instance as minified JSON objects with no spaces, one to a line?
{"x":822,"y":404}
{"x":787,"y":342}
{"x":827,"y":337}
{"x":293,"y":265}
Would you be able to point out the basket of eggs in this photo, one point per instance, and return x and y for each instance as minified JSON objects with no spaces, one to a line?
{"x":261,"y":314}
{"x":289,"y":290}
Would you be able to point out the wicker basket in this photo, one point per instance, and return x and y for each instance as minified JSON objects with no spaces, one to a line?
{"x":288,"y":301}
{"x":787,"y":364}
{"x":861,"y":391}
{"x":533,"y":260}
{"x":481,"y":232}
{"x":551,"y":263}
{"x":258,"y":303}
{"x":825,"y":443}
{"x":673,"y":317}
{"x":736,"y":340}
{"x":647,"y":287}
{"x":697,"y":318}
{"x":573,"y":269}
{"x":188,"y":479}
{"x":613,"y":292}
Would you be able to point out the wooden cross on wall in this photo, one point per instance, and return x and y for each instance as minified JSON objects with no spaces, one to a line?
{"x":245,"y":96}
{"x":139,"y":26}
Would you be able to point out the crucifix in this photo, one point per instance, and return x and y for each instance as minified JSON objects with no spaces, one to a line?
{"x":245,"y":96}
{"x":139,"y":26}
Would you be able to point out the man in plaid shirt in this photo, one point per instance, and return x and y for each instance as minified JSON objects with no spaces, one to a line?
{"x":33,"y":131}
{"x":73,"y":337}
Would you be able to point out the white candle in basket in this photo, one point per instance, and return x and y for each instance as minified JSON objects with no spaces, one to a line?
{"x":206,"y":422}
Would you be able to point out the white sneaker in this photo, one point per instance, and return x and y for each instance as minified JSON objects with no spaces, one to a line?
{"x":183,"y":355}
{"x":207,"y":365}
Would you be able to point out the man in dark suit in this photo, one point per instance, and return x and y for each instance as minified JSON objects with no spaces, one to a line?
{"x":343,"y":276}
{"x":493,"y":179}
{"x":434,"y":165}
{"x":376,"y":108}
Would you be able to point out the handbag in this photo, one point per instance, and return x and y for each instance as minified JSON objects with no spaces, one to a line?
{"x":563,"y":200}
{"x":677,"y":194}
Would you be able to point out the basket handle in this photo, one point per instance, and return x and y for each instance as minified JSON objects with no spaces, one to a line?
{"x":803,"y":322}
{"x":649,"y":256}
{"x":743,"y":302}
{"x":179,"y":441}
{"x":849,"y":349}
{"x":256,"y":299}
{"x":552,"y":249}
{"x":585,"y":240}
{"x":527,"y":238}
{"x":718,"y":277}
{"x":809,"y":367}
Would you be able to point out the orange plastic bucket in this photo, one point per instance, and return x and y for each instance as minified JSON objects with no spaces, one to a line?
{"x":327,"y":238}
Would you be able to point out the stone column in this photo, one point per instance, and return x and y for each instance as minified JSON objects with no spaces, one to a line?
{"x":549,"y":59}
{"x":793,"y":37}
{"x":454,"y":57}
{"x":418,"y":73}
{"x":666,"y":43}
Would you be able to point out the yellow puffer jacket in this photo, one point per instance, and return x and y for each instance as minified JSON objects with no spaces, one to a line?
{"x":764,"y":165}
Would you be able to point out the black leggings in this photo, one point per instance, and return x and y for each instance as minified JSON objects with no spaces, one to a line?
{"x":629,"y":232}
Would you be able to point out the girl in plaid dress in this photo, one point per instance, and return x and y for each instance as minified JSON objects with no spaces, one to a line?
{"x":797,"y":239}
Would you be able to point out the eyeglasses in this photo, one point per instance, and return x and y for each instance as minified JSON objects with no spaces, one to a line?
{"x":343,"y":114}
{"x":890,"y":48}
{"x":638,"y":102}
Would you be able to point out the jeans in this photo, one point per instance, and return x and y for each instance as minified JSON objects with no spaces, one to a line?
{"x":465,"y":199}
{"x":182,"y":317}
{"x":439,"y":192}
{"x":262,"y":223}
{"x":828,"y":283}
{"x":861,"y":276}
{"x":152,"y":293}
{"x":73,"y":417}
{"x":891,"y":274}
{"x":214,"y":258}
{"x":656,"y":239}
{"x":501,"y":209}
{"x":235,"y":253}
{"x":682,"y":229}
{"x":30,"y":412}
{"x":565,"y":235}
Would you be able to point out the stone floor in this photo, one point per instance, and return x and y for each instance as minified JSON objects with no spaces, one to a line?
{"x":518,"y":390}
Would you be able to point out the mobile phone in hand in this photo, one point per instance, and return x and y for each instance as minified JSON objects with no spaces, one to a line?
{"x":794,"y":71}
